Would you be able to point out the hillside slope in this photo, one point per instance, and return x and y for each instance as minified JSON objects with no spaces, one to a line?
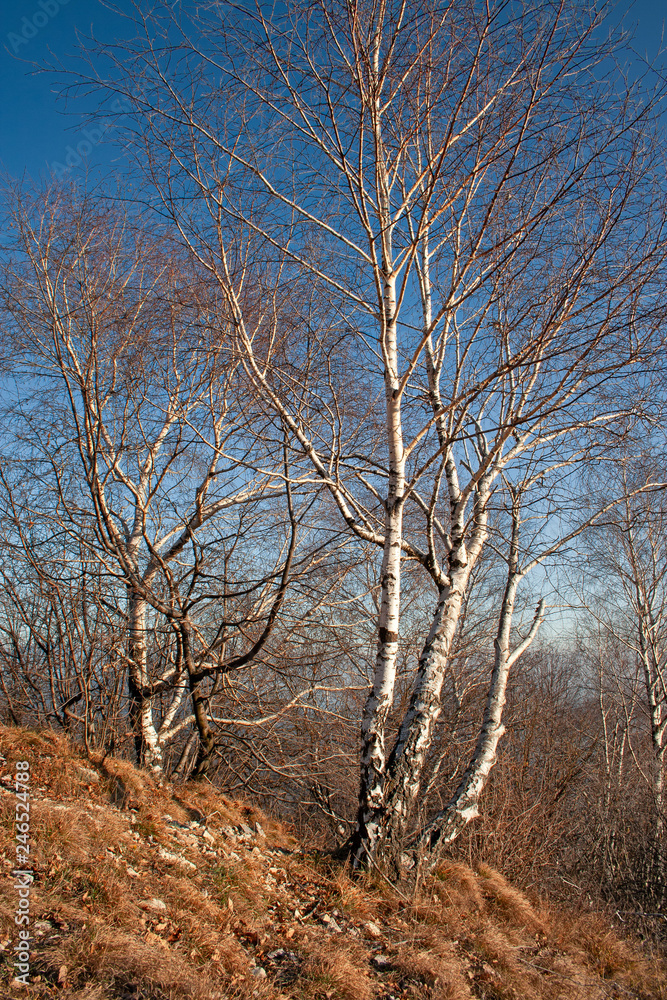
{"x":147,"y":892}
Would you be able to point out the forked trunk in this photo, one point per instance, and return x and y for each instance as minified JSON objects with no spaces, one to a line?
{"x":200,"y":706}
{"x":148,"y":749}
{"x":463,"y":807}
{"x":397,"y":787}
{"x":371,"y":810}
{"x":370,"y":816}
{"x":406,"y":764}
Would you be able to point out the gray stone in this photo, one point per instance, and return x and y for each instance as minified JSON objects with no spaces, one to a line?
{"x":176,"y":859}
{"x":88,"y":774}
{"x":381,"y":963}
{"x":155,"y":905}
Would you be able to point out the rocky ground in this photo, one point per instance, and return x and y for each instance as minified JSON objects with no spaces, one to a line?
{"x":148,"y":891}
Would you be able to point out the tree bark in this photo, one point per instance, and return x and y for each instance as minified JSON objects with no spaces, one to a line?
{"x":148,"y":749}
{"x":371,"y":811}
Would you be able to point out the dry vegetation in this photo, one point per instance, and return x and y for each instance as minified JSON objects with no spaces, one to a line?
{"x":150,"y":891}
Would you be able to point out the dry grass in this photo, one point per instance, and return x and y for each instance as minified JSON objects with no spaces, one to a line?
{"x":146,"y":891}
{"x":512,"y":903}
{"x":335,"y":972}
{"x":457,"y":886}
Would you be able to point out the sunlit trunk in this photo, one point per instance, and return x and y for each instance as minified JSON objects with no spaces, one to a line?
{"x":406,"y":765}
{"x":370,"y":815}
{"x":464,"y":804}
{"x":149,"y":752}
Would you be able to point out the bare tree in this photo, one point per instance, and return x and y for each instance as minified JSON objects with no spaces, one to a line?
{"x":135,"y":435}
{"x":61,"y":651}
{"x":475,"y":202}
{"x":629,"y":556}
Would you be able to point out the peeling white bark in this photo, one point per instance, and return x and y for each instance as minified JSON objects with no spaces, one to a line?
{"x":642,"y":573}
{"x":464,"y":804}
{"x":370,"y":814}
{"x":148,"y":741}
{"x":405,"y":768}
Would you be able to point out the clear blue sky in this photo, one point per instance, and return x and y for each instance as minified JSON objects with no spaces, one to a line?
{"x":35,"y":127}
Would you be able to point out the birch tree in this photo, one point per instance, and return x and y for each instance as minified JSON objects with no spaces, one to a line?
{"x":471,"y":197}
{"x":629,"y":551}
{"x":61,"y":645}
{"x":126,"y":417}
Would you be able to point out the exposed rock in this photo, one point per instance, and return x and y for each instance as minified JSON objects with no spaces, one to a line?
{"x":331,"y":924}
{"x":176,"y":859}
{"x":88,"y":774}
{"x":155,"y":905}
{"x":43,"y":927}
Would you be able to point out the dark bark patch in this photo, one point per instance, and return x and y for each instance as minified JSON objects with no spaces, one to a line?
{"x":384,"y":635}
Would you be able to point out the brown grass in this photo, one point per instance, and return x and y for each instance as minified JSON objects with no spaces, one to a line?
{"x":457,"y":886}
{"x":252,"y":920}
{"x":438,"y":968}
{"x":99,"y":954}
{"x":335,"y":972}
{"x":509,"y":900}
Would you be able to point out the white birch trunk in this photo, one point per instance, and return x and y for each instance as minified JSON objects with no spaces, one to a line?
{"x":147,"y":740}
{"x":464,"y":804}
{"x":370,"y":817}
{"x":655,"y":680}
{"x":405,"y":769}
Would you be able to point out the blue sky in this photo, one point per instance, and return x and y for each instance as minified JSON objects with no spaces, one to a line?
{"x":38,"y":132}
{"x":37,"y":127}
